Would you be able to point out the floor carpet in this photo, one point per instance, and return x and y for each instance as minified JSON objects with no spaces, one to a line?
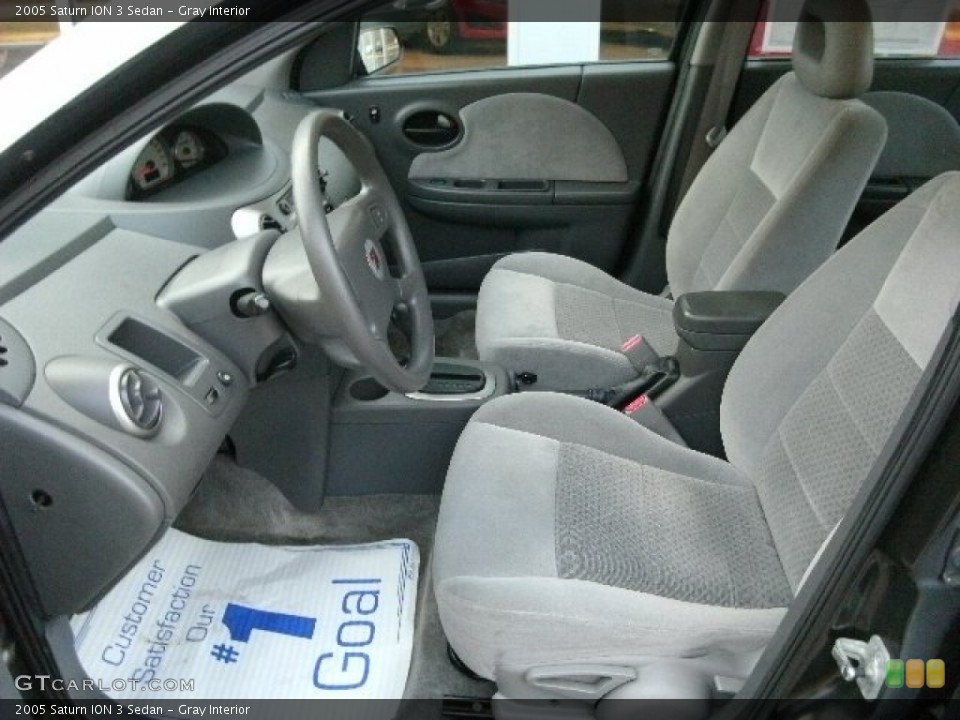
{"x":456,"y":336}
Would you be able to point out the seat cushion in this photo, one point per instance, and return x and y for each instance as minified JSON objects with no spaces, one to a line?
{"x":565,"y":321}
{"x":567,"y":529}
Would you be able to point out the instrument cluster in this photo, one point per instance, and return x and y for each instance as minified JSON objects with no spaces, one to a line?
{"x":175,"y":153}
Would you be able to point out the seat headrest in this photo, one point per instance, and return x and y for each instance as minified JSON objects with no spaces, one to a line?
{"x":833,"y":51}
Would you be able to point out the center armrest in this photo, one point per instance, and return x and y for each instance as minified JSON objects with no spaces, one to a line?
{"x":713,"y":328}
{"x":722,"y":320}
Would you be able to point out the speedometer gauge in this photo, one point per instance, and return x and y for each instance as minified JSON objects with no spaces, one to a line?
{"x":154,"y":166}
{"x":187,"y":148}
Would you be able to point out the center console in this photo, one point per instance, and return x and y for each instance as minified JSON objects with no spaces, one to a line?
{"x":383,"y":442}
{"x":713,"y":328}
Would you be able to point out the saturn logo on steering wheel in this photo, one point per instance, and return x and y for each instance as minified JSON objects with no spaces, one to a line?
{"x":374,"y":259}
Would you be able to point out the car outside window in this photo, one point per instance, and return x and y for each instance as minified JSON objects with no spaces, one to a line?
{"x":20,"y":40}
{"x":453,"y":35}
{"x":774,"y":40}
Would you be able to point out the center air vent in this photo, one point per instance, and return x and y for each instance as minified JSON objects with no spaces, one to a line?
{"x":114,"y":394}
{"x":141,"y":403}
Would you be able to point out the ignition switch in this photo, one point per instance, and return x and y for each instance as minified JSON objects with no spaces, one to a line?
{"x":251,"y":304}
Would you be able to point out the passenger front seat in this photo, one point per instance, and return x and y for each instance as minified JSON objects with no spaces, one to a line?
{"x":766,"y":210}
{"x":577,"y":551}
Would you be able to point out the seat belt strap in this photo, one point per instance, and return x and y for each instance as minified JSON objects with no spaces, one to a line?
{"x":644,"y":411}
{"x":712,"y":129}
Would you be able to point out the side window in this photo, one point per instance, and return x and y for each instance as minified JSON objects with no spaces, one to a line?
{"x":451,"y":35}
{"x":20,"y":40}
{"x":773,"y":40}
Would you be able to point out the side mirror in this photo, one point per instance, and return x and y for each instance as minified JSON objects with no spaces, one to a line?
{"x":379,"y":48}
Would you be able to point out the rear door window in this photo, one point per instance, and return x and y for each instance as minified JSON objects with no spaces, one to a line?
{"x":451,"y":35}
{"x":924,"y":39}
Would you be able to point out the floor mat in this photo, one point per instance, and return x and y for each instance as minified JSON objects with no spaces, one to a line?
{"x":253,"y":621}
{"x":235,"y":504}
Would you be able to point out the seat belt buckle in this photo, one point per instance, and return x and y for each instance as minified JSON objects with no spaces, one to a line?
{"x":639,"y":353}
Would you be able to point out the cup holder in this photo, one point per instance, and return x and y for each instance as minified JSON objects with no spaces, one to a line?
{"x":368,"y":390}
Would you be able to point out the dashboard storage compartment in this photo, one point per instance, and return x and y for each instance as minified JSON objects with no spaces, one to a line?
{"x":157,"y":348}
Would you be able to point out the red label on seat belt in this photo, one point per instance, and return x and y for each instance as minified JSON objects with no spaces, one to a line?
{"x":636,"y":405}
{"x":632,"y":343}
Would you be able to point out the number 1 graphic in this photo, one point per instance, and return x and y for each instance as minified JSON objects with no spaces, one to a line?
{"x":241,"y":621}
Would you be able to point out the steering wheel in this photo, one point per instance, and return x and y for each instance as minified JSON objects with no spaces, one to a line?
{"x":346,"y":254}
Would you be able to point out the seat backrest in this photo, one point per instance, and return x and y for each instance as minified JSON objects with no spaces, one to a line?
{"x":771,"y":204}
{"x":923,"y":138}
{"x":816,"y":393}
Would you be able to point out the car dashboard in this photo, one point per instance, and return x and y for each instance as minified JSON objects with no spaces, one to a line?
{"x":111,"y":405}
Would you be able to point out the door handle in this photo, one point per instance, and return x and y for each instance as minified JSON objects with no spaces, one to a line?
{"x":431,"y":128}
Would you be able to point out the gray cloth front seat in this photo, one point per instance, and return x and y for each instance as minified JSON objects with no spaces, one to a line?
{"x":766,"y":210}
{"x":571,"y":536}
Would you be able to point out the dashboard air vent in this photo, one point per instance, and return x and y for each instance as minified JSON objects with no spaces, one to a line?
{"x":17,"y":366}
{"x":141,"y":401}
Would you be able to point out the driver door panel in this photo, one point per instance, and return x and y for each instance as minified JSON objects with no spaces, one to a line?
{"x":548,"y":159}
